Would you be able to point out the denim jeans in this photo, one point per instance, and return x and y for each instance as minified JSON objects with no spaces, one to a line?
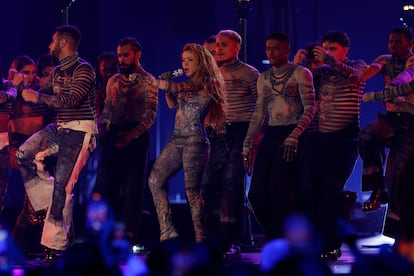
{"x":73,"y":148}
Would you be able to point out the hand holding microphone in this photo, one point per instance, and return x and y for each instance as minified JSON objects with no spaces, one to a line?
{"x":171,"y":74}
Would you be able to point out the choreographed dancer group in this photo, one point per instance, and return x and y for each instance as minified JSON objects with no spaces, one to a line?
{"x":295,"y":127}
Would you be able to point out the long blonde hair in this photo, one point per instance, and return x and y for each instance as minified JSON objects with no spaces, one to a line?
{"x":210,"y":78}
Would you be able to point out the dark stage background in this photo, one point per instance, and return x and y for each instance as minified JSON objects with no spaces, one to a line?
{"x":164,"y":26}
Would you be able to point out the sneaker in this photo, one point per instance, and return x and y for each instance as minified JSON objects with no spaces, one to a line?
{"x":138,"y":249}
{"x":51,"y":255}
{"x":233,"y":254}
{"x":331,"y":255}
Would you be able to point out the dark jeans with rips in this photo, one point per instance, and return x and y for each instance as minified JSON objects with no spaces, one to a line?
{"x":73,"y":148}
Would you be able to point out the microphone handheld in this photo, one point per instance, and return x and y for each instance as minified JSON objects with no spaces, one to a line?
{"x":171,"y":74}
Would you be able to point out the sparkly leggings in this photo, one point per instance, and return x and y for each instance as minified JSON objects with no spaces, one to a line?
{"x":191,"y":154}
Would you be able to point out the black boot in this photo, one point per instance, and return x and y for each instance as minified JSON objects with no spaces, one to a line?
{"x":231,"y":250}
{"x":28,"y":229}
{"x":350,"y":200}
{"x":51,"y":255}
{"x":331,"y":255}
{"x":378,"y":197}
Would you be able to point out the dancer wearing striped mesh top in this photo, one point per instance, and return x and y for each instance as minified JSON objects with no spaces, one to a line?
{"x":389,"y":176}
{"x":7,"y":93}
{"x":224,"y":178}
{"x":25,"y":120}
{"x":400,"y":163}
{"x":72,"y":137}
{"x":332,"y":151}
{"x":286,"y":95}
{"x":397,"y":67}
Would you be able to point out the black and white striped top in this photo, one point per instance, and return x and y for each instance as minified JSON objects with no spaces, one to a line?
{"x":241,"y":91}
{"x":73,"y":96}
{"x":340,"y":90}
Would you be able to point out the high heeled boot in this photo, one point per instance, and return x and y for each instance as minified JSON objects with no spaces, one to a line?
{"x":377,"y":197}
{"x":163,"y":208}
{"x":28,"y":228}
{"x":196,"y":207}
{"x":379,"y":194}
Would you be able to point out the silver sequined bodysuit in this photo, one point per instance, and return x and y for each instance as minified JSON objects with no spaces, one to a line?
{"x":189,"y":149}
{"x":191,"y":111}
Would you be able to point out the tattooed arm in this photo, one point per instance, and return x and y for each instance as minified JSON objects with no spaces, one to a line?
{"x":405,"y":76}
{"x":374,"y":68}
{"x":389,"y":92}
{"x":258,"y":118}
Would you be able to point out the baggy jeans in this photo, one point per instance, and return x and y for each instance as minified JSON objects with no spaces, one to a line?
{"x":73,"y":143}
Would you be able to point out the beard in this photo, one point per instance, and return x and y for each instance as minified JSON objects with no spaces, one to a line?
{"x":127,"y":69}
{"x":56,"y":51}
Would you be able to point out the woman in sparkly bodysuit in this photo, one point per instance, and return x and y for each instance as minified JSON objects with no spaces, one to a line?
{"x":199,"y":101}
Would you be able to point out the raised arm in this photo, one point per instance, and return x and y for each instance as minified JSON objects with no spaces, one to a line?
{"x":8,"y":93}
{"x":345,"y":69}
{"x":82,"y":80}
{"x":389,"y":92}
{"x":375,"y":67}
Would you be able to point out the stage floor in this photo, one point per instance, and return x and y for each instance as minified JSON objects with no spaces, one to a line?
{"x":367,"y":225}
{"x":343,"y":266}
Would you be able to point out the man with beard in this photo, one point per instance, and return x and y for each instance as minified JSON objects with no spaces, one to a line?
{"x":71,"y":92}
{"x":393,"y":130}
{"x":130,"y":109}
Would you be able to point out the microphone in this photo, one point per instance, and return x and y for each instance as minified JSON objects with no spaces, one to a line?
{"x":172,"y":74}
{"x":177,"y":73}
